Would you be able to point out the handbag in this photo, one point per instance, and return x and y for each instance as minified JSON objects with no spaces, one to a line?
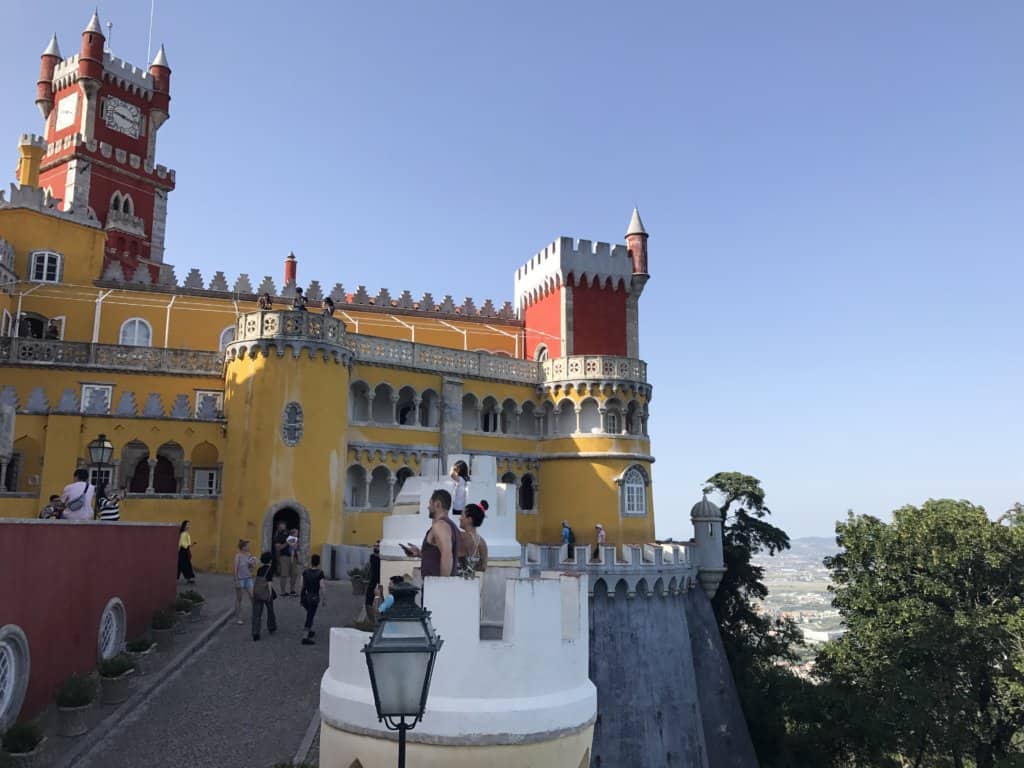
{"x":263,"y":590}
{"x":76,"y":504}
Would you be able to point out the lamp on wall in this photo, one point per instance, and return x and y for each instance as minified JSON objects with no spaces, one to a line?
{"x":400,"y":657}
{"x":101,"y":451}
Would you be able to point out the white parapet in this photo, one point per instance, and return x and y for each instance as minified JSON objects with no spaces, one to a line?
{"x":529,"y":689}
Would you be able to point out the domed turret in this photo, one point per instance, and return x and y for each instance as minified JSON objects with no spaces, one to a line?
{"x":707,"y":538}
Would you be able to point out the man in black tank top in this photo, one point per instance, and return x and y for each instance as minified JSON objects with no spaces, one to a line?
{"x":439,"y":550}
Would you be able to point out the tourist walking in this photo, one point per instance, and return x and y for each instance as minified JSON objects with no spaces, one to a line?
{"x":263,"y":596}
{"x":602,"y":537}
{"x":390,"y":599}
{"x":293,"y":545}
{"x":299,"y":302}
{"x":327,"y":308}
{"x":78,"y":496}
{"x":460,"y":475}
{"x":108,"y":504}
{"x":374,"y":581}
{"x":264,"y":302}
{"x":283,"y":563}
{"x":312,"y":582}
{"x":244,"y":562}
{"x":441,"y":544}
{"x":185,"y":554}
{"x":569,"y":539}
{"x":473,"y":548}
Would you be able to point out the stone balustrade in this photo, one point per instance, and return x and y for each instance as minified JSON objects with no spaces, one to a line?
{"x":126,"y":222}
{"x":78,"y":354}
{"x":424,"y":357}
{"x":593,"y":367}
{"x":647,"y":569}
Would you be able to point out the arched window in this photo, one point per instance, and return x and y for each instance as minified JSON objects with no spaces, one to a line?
{"x":612,"y":422}
{"x":527,"y":496}
{"x":540,"y":354}
{"x":127,"y":206}
{"x":46,"y":267}
{"x":115,"y":202}
{"x":633,"y":491}
{"x":400,"y":477}
{"x":226,"y":337}
{"x":291,"y":424}
{"x":136,"y":332}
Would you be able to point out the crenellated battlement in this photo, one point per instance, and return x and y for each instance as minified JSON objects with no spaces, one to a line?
{"x":76,"y":142}
{"x":115,"y":70}
{"x":31,"y":140}
{"x":568,"y":262}
{"x":36,"y":199}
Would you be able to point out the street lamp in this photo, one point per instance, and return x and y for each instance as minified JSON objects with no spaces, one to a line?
{"x":101,"y":450}
{"x":400,"y":657}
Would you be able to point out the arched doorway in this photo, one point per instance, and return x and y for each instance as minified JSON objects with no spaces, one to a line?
{"x":293,"y":515}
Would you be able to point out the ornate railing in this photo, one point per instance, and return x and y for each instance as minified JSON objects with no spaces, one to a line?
{"x":604,"y":367}
{"x":408,"y":354}
{"x":77,"y":354}
{"x":271,"y":325}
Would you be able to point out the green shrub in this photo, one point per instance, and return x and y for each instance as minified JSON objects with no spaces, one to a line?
{"x":116,"y":666}
{"x":21,"y":738}
{"x":192,"y":596}
{"x":76,"y":691}
{"x":182,"y":605}
{"x":359,"y":573}
{"x":140,"y":645}
{"x":163,"y":619}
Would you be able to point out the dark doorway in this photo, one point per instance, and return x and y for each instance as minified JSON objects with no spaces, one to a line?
{"x":31,"y":326}
{"x":140,"y":477}
{"x":164,"y":480}
{"x":289,"y":517}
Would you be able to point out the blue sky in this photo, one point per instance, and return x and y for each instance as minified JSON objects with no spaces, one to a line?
{"x":833,"y":190}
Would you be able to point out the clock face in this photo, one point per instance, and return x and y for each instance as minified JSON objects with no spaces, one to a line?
{"x":122,"y":117}
{"x":67,"y":108}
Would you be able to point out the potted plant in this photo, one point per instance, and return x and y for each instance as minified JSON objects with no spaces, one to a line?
{"x":116,"y":676}
{"x":359,"y":577}
{"x":163,"y":627}
{"x":182,"y":608}
{"x":141,"y":652}
{"x":23,"y":743}
{"x":196,"y":600}
{"x":74,"y":697}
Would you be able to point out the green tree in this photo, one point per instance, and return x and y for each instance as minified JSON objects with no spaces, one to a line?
{"x":932,"y":655}
{"x":755,"y":643}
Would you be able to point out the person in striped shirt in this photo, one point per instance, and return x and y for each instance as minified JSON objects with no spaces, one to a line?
{"x":108,"y":504}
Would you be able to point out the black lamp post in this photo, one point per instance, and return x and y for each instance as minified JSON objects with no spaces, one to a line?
{"x":100,"y":451}
{"x":400,"y":657}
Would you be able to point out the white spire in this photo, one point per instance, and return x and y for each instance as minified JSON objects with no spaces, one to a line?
{"x":161,"y":59}
{"x":94,"y":23}
{"x":636,"y":227}
{"x":53,"y":49}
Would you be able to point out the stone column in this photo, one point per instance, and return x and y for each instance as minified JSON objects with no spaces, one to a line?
{"x":366,"y":490}
{"x":479,"y":417}
{"x":602,"y":413}
{"x":3,"y":474}
{"x":369,"y":404}
{"x":186,"y":481}
{"x":451,"y":418}
{"x":115,"y":473}
{"x":394,"y":409}
{"x":578,"y":411}
{"x":391,"y":488}
{"x":152,"y":470}
{"x":417,"y":402}
{"x":519,"y":413}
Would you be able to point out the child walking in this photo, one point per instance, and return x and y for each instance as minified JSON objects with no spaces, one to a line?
{"x":310,"y":599}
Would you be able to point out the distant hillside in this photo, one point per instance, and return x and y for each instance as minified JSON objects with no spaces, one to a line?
{"x":826,"y":545}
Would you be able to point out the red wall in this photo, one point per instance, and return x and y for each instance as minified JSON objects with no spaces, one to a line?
{"x":56,"y":578}
{"x":544,"y":316}
{"x":598,"y":320}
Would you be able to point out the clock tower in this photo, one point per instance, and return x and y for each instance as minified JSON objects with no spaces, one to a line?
{"x":102,"y":117}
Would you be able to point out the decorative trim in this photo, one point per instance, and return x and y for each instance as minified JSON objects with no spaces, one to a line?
{"x":598,"y":455}
{"x":476,"y":739}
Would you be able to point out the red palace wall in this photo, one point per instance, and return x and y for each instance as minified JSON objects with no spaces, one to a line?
{"x":56,"y":578}
{"x":543,"y":321}
{"x":598,"y":321}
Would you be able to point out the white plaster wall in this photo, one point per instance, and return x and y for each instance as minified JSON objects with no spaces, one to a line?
{"x":533,"y":681}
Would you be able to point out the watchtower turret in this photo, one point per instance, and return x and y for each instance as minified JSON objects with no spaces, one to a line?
{"x":44,"y":87}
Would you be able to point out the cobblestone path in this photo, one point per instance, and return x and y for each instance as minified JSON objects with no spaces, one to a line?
{"x":236,"y":703}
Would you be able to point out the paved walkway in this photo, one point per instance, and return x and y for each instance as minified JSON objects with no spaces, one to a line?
{"x":236,"y":703}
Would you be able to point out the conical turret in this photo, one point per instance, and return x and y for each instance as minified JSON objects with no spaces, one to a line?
{"x":44,"y":86}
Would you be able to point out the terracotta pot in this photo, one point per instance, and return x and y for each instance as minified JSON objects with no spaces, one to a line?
{"x":117,"y":689}
{"x":33,"y":759}
{"x":71,"y":721}
{"x":163,"y":637}
{"x":358,"y":587}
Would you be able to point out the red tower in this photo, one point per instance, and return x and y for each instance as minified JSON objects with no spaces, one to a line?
{"x":102,"y":116}
{"x":581,"y":298}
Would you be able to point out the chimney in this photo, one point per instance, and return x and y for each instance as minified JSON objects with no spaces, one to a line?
{"x":290,"y":267}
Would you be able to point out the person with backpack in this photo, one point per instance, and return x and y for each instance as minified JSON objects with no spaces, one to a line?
{"x":78,"y":497}
{"x":311,"y":598}
{"x":263,"y":596}
{"x":569,"y":539}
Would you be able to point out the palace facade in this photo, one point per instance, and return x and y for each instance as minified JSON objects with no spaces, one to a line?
{"x":233,"y":416}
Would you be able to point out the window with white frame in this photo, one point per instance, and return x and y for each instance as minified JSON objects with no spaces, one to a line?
{"x":205,"y":482}
{"x":96,"y":398}
{"x":136,"y":332}
{"x":634,"y":492}
{"x":101,"y":476}
{"x":209,"y":404}
{"x":45,"y":267}
{"x":226,"y":337}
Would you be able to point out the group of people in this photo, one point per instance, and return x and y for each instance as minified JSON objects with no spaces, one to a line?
{"x":569,"y":540}
{"x":299,"y":302}
{"x":282,"y":562}
{"x":80,"y":500}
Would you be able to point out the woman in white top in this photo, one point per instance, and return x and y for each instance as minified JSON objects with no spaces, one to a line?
{"x":460,"y":474}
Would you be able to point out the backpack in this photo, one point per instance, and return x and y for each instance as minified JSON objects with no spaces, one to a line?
{"x":76,"y":504}
{"x":572,"y":538}
{"x":262,"y":589}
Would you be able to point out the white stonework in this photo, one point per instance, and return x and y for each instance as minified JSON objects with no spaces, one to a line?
{"x":77,"y":183}
{"x":552,"y":267}
{"x":530,"y":686}
{"x":156,"y":243}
